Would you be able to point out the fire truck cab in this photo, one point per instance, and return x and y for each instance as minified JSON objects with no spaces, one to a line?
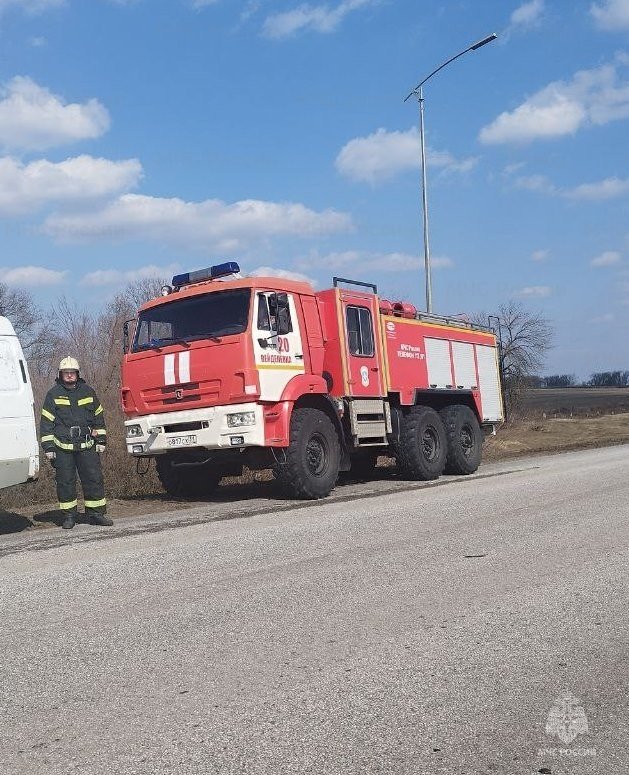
{"x":265,"y":372}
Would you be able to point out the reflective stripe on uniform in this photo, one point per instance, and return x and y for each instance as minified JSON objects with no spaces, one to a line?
{"x":70,"y":447}
{"x":62,"y":445}
{"x":99,"y":410}
{"x":95,"y":504}
{"x":68,"y":505}
{"x":47,"y":438}
{"x":99,"y":431}
{"x":48,"y":415}
{"x":83,"y":401}
{"x":62,"y":401}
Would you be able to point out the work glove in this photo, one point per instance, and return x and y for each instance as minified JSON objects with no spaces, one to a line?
{"x":51,"y":456}
{"x":100,"y":448}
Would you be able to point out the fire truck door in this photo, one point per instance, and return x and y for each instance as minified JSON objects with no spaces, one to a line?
{"x":279,"y":357}
{"x":362,"y":348}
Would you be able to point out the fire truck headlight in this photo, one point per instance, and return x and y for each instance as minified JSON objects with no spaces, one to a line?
{"x":239,"y":419}
{"x":134,"y":430}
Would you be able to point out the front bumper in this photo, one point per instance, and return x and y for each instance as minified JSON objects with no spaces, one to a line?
{"x":194,"y":429}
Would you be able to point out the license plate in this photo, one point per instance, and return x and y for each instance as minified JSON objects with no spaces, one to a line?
{"x":182,"y":441}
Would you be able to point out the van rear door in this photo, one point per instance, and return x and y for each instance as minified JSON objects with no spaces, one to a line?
{"x":19,"y":458}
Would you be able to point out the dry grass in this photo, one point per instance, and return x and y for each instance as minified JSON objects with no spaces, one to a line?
{"x":557,"y":435}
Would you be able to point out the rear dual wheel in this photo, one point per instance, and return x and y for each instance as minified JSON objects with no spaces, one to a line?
{"x":422,"y":448}
{"x":465,"y":440}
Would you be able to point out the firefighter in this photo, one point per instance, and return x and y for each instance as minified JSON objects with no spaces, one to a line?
{"x":73,"y":436}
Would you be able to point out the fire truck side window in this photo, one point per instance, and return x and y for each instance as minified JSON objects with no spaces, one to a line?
{"x":359,"y":331}
{"x":264,"y":320}
{"x":267,"y":313}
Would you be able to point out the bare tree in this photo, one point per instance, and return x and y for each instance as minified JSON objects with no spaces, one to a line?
{"x":31,"y":325}
{"x":526,"y":337}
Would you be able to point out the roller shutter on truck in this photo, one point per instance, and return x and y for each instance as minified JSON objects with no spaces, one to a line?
{"x":464,"y":365}
{"x":491,"y":398}
{"x":438,"y":362}
{"x":467,"y":366}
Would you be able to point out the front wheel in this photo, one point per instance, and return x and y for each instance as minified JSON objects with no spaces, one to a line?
{"x":422,"y":447}
{"x":311,"y":461}
{"x":465,"y":439}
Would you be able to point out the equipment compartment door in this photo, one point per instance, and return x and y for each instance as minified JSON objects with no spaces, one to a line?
{"x":362,"y":346}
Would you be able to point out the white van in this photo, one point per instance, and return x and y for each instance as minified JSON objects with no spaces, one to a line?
{"x":19,"y":449}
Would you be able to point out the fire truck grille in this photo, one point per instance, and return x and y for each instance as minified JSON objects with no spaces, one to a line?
{"x":207,"y":392}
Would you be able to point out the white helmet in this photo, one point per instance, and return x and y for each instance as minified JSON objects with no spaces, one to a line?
{"x":69,"y":364}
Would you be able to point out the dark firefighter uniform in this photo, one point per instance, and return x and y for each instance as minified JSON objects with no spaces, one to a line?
{"x":72,"y":424}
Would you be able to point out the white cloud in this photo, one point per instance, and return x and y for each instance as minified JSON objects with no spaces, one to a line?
{"x":608,"y":317}
{"x":611,"y":14}
{"x":211,"y":224}
{"x":31,"y":276}
{"x":202,"y":3}
{"x":534,"y":291}
{"x":26,"y":187}
{"x":538,"y":183}
{"x":32,"y":118}
{"x":592,"y":97}
{"x":527,"y":14}
{"x":320,"y":18}
{"x":371,"y":261}
{"x":384,"y":154}
{"x":608,"y":258}
{"x":539,"y":255}
{"x":269,"y":271}
{"x":30,"y":6}
{"x":610,"y":188}
{"x":102,"y":277}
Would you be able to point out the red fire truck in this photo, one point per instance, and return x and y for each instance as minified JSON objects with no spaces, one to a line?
{"x":225,"y":372}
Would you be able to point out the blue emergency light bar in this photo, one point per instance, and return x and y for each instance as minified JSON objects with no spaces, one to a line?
{"x":201,"y":275}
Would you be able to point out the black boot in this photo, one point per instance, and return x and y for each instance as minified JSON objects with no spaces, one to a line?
{"x":101,"y":519}
{"x":69,"y":521}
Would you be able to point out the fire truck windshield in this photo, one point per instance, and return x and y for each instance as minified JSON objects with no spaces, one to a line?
{"x":209,"y":316}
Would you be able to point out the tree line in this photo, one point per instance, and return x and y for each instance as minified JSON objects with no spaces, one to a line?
{"x":613,"y":379}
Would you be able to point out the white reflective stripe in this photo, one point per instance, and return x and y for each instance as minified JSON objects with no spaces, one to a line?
{"x":184,"y":367}
{"x":169,"y":369}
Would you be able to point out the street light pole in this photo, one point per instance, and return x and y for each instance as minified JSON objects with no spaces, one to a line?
{"x":427,"y":269}
{"x":418,"y":92}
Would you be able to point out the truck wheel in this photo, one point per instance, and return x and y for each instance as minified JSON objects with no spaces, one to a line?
{"x":421,"y":450}
{"x":184,"y":482}
{"x":311,"y":461}
{"x":465,"y":439}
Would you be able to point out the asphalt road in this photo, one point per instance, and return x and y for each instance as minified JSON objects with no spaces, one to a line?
{"x":427,"y":630}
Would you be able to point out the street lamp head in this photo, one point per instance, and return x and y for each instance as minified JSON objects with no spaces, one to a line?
{"x":484,"y":41}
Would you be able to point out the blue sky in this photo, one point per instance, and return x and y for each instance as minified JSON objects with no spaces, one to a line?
{"x":145,"y":137}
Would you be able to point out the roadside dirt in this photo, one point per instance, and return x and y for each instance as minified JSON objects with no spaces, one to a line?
{"x":517,"y":440}
{"x":557,"y":435}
